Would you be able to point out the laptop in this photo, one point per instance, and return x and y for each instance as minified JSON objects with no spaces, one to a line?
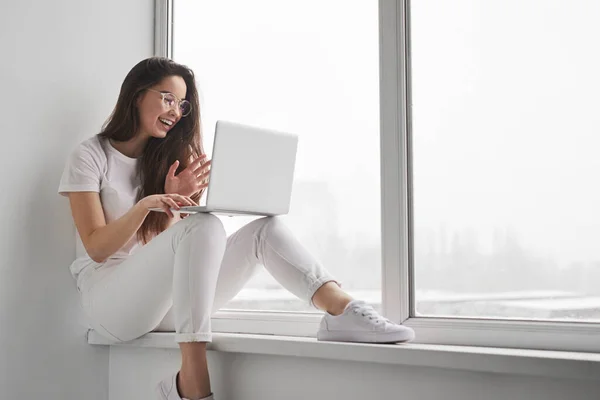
{"x":252,"y":172}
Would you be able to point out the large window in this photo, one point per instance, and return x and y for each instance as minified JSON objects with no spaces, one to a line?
{"x":447,"y":163}
{"x":505,"y":155}
{"x":310,"y":68}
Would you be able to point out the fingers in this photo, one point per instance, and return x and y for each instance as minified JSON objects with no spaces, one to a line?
{"x":171,"y":203}
{"x":167,"y":209}
{"x":188,"y":201}
{"x":203,"y":176}
{"x":173,"y":168}
{"x":201,"y":184}
{"x":183,"y":199}
{"x":202,"y":167}
{"x":197,"y":162}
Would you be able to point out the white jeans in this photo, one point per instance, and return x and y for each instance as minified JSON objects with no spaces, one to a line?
{"x":193,"y":268}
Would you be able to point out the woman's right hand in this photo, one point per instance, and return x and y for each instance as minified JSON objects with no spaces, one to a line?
{"x":166,"y":202}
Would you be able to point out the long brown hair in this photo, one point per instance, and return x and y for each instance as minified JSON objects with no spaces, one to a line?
{"x":183,"y":142}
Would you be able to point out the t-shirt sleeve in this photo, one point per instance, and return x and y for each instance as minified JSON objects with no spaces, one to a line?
{"x":82,"y":172}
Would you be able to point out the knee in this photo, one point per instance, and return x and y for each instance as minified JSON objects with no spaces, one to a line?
{"x":206,"y":225}
{"x":271,"y":224}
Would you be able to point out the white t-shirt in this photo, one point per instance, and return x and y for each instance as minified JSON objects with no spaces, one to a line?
{"x":96,"y":166}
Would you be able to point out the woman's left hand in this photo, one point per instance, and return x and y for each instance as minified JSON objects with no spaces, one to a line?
{"x":191,"y":180}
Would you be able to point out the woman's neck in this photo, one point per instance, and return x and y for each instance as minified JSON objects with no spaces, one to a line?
{"x":133,"y":148}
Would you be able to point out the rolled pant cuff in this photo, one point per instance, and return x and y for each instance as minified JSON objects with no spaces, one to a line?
{"x":193,"y":337}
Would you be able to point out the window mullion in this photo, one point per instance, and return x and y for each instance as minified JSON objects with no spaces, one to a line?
{"x":163,"y":28}
{"x":394,"y":159}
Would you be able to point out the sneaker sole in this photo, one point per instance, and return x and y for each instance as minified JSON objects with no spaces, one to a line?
{"x":366,"y":337}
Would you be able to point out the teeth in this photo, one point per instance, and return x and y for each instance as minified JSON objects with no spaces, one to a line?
{"x":166,"y":121}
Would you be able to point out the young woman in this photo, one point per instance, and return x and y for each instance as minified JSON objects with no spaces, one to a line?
{"x":141,"y":264}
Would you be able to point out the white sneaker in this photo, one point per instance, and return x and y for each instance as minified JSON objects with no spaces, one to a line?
{"x":167,"y":389}
{"x":361,"y":323}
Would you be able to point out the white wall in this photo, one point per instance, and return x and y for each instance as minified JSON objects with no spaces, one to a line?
{"x":61,"y":66}
{"x":134,"y":371}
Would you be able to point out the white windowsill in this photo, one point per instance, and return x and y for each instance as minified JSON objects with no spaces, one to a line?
{"x":554,"y":364}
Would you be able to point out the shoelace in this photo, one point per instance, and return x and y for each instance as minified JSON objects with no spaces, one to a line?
{"x":369,"y":312}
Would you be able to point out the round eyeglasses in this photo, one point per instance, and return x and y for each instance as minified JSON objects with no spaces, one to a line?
{"x":171,"y":101}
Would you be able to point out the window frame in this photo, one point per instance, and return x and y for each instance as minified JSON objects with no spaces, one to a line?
{"x":398,"y":302}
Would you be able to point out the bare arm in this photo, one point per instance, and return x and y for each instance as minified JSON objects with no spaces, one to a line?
{"x":101,"y":240}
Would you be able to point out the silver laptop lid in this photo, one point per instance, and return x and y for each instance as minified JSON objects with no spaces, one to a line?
{"x":252,"y":169}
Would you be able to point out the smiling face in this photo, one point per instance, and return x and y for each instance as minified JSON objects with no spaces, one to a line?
{"x":157,"y":118}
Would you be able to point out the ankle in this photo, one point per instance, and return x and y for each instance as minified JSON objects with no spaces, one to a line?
{"x":339,"y":306}
{"x":190,"y":387}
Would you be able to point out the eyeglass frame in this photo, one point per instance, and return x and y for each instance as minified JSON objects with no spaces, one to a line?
{"x":179,"y":101}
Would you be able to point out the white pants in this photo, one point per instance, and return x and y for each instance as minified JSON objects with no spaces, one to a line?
{"x":193,"y":268}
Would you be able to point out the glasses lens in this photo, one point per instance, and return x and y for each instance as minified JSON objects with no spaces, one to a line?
{"x":170,"y":100}
{"x":185,"y":107}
